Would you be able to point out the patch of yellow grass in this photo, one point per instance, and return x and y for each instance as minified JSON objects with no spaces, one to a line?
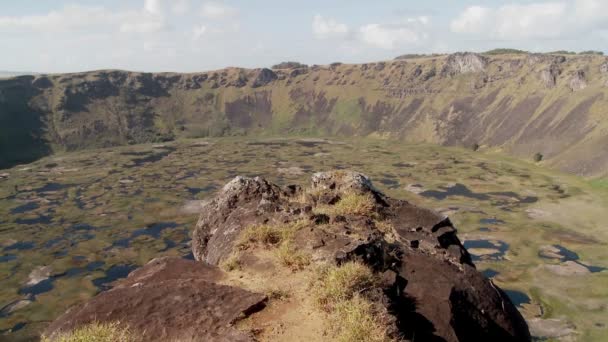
{"x":350,"y":204}
{"x":263,"y":234}
{"x":338,"y":291}
{"x":289,"y":256}
{"x":232,"y":263}
{"x":354,"y":321}
{"x":96,"y":332}
{"x":268,"y":235}
{"x":386,"y":228}
{"x":334,"y":284}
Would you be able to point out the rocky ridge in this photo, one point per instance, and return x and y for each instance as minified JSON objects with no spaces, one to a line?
{"x":521,"y":103}
{"x":259,"y":248}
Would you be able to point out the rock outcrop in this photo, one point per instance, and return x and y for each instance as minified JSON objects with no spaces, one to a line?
{"x":578,"y":81}
{"x":264,"y":77}
{"x":427,"y":289}
{"x":549,"y":76}
{"x":434,"y":291}
{"x":169,"y":299}
{"x":464,"y":62}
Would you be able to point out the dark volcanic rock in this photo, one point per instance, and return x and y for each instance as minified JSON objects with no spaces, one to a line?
{"x":264,"y":77}
{"x":430,"y":285}
{"x":169,"y":299}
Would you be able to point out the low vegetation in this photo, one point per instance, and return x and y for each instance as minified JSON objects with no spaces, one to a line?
{"x":232,"y":263}
{"x":335,"y":284}
{"x":291,"y":257}
{"x":264,"y":234}
{"x":338,"y":290}
{"x":350,"y":204}
{"x":289,"y":65}
{"x":355,"y":320}
{"x":275,"y":236}
{"x":505,"y":52}
{"x":96,"y":332}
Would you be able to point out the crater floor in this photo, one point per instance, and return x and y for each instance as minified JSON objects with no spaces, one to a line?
{"x":70,"y":224}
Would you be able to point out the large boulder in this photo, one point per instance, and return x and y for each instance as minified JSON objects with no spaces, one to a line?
{"x":169,"y":299}
{"x":431,"y":288}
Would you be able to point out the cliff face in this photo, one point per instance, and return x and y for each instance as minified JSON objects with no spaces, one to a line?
{"x":524,"y":104}
{"x":336,"y":260}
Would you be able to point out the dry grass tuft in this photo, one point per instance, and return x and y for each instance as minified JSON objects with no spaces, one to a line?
{"x":338,"y":291}
{"x":96,"y":332}
{"x":386,"y":228}
{"x":289,"y":256}
{"x":350,"y":204}
{"x":354,"y":321}
{"x":335,"y":284}
{"x":261,"y":234}
{"x":232,"y":263}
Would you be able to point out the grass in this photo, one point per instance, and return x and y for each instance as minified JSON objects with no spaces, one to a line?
{"x":273,"y":236}
{"x":350,"y":204}
{"x":264,"y":234}
{"x":335,"y":284}
{"x":289,"y":256}
{"x":95,"y":332}
{"x":355,"y":321}
{"x":232,"y":263}
{"x":386,"y":228}
{"x":338,"y":290}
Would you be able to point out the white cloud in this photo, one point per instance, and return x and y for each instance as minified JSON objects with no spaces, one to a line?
{"x":198,"y":31}
{"x":80,"y":18}
{"x":217,"y":10}
{"x":541,"y":20}
{"x":387,"y":37}
{"x":153,"y":6}
{"x":328,"y":28}
{"x":474,"y":19}
{"x":141,"y":23}
{"x":180,"y":6}
{"x":383,"y":36}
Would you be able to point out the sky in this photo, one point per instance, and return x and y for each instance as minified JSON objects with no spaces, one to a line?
{"x":198,"y":35}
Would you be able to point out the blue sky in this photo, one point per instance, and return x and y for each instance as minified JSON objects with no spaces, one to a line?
{"x":195,"y":35}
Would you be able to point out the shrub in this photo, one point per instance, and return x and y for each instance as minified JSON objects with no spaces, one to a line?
{"x":505,"y":52}
{"x":289,"y":65}
{"x":538,"y":157}
{"x":95,"y":332}
{"x":591,"y":52}
{"x":475,"y":147}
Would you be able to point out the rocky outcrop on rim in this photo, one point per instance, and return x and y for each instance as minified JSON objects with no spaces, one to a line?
{"x":434,"y":290}
{"x":578,"y":81}
{"x":429,"y":288}
{"x":464,"y":62}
